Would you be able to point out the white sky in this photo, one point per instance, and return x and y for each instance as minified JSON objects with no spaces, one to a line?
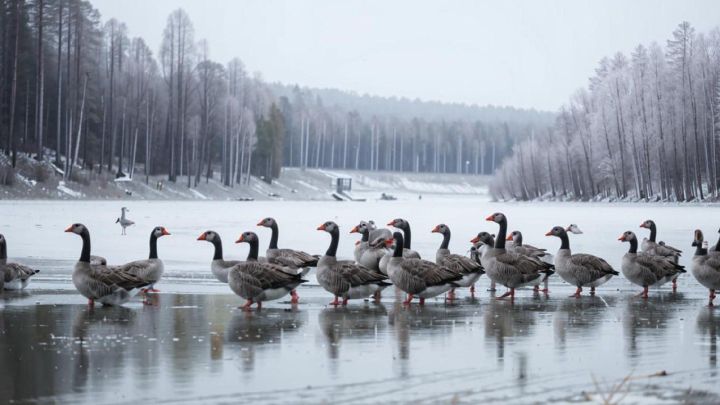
{"x":523,"y":53}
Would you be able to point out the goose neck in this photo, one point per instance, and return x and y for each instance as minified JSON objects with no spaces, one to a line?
{"x":446,"y":240}
{"x":253,"y":252}
{"x":217,"y":243}
{"x":274,"y":236}
{"x":85,"y":253}
{"x":502,"y":234}
{"x":153,"y":246}
{"x":334,"y":241}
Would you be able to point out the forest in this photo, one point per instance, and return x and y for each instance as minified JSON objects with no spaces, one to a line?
{"x":645,"y":128}
{"x":79,"y":92}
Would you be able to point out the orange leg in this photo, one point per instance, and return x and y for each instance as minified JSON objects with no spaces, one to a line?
{"x":408,"y":300}
{"x":674,"y":285}
{"x":344,"y":301}
{"x":336,"y":301}
{"x":472,"y":291}
{"x":422,"y":301}
{"x":712,"y":297}
{"x":536,"y":288}
{"x":247,"y":305}
{"x":510,"y":293}
{"x":295,"y":297}
{"x":91,"y":302}
{"x":377,"y":296}
{"x":644,"y":293}
{"x":451,"y":295}
{"x":577,"y":292}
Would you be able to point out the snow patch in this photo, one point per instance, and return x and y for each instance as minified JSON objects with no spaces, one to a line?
{"x":72,"y":193}
{"x":198,"y":194}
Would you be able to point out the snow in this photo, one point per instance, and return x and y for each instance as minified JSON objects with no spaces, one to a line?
{"x":72,"y":193}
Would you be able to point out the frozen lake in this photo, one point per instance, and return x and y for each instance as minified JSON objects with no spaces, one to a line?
{"x":194,"y":346}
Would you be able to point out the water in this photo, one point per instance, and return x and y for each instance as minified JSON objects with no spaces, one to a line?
{"x":194,"y":346}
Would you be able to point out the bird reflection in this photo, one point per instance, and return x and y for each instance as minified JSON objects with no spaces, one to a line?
{"x":251,"y":330}
{"x":579,"y":317}
{"x":708,"y":323}
{"x":647,"y":317}
{"x":360,"y":323}
{"x":505,"y":319}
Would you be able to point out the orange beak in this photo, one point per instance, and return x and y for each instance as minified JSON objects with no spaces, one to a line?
{"x":202,"y":236}
{"x":509,"y":237}
{"x":261,"y":222}
{"x":622,"y":238}
{"x":549,"y":233}
{"x":475,"y":240}
{"x":391,"y":223}
{"x":69,"y":228}
{"x":321,"y":227}
{"x":240,"y":239}
{"x":165,"y":232}
{"x":490,"y":218}
{"x":355,"y":229}
{"x":642,"y":225}
{"x":436,"y":229}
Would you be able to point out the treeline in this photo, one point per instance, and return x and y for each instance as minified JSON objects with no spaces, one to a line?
{"x":83,"y":93}
{"x":645,"y":128}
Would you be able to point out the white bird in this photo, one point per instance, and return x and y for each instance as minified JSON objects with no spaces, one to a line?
{"x":123,"y":221}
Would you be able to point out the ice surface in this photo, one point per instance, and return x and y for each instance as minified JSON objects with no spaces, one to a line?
{"x":541,"y":349}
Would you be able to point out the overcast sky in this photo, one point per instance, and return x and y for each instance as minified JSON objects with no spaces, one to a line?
{"x":530,"y":54}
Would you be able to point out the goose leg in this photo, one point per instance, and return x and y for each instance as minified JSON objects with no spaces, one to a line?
{"x":247,"y":305}
{"x":295,"y":297}
{"x":377,"y":296}
{"x":345,"y":301}
{"x":492,"y":286}
{"x":536,"y":288}
{"x":336,"y":301}
{"x":472,"y":291}
{"x":577,"y":292}
{"x":451,"y":295}
{"x":259,"y":305}
{"x":712,"y":297}
{"x":592,"y":291}
{"x":545,"y":287}
{"x":510,"y":293}
{"x":644,"y":293}
{"x":91,"y":302}
{"x":422,"y":301}
{"x":408,"y":300}
{"x":674,"y":284}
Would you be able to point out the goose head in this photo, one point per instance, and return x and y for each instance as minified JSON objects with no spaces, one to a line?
{"x":698,"y":240}
{"x":399,"y":223}
{"x":648,"y":224}
{"x":627,"y":236}
{"x":497,"y":217}
{"x":76,"y":228}
{"x":573,"y":228}
{"x":360,"y":228}
{"x":558,"y":231}
{"x":442,"y":228}
{"x":268,"y":222}
{"x":514,"y":236}
{"x":371,"y":225}
{"x":247,"y":237}
{"x":483,"y":238}
{"x":160,"y":231}
{"x":209,"y":236}
{"x":124,"y":209}
{"x":329,"y":227}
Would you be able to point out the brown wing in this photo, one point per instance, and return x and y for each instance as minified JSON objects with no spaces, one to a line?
{"x":14,"y":271}
{"x":460,"y":264}
{"x":296,"y":258}
{"x":526,"y":264}
{"x":592,"y":262}
{"x":660,"y":266}
{"x":114,"y":275}
{"x":428,"y":272}
{"x":266,"y":275}
{"x":357,"y":275}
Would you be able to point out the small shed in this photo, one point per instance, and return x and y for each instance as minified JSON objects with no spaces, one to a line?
{"x":343,"y":184}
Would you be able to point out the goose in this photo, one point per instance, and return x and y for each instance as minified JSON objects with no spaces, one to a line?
{"x":644,"y":269}
{"x":419,"y":277}
{"x":123,"y":221}
{"x":288,"y":257}
{"x":580,"y":270}
{"x":13,"y":276}
{"x":715,"y":249}
{"x":371,"y":239}
{"x":516,"y":245}
{"x":470,"y":269}
{"x":344,"y":278}
{"x":510,"y":269}
{"x":705,"y":267}
{"x":150,"y":269}
{"x":650,"y":246}
{"x":218,"y":266}
{"x":258,"y":281}
{"x":100,"y":283}
{"x":481,"y":244}
{"x":373,"y":250}
{"x":404,"y":226}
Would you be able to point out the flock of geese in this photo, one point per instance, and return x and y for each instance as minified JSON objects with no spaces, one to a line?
{"x":384,"y":258}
